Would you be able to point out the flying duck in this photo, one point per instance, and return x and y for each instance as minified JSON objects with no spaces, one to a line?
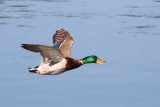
{"x":57,"y":59}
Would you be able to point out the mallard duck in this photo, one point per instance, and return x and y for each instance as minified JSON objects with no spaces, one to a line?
{"x":57,"y":59}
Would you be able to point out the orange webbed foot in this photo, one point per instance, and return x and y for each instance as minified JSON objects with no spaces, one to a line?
{"x":34,"y":71}
{"x":37,"y":72}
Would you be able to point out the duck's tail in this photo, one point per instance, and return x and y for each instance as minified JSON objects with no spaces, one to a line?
{"x":33,"y":70}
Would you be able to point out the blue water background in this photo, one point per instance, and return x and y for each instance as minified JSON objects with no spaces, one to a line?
{"x":125,"y":33}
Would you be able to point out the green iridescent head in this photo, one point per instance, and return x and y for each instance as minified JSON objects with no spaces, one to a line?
{"x":92,"y":59}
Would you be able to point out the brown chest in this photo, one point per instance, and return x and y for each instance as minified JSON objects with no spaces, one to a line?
{"x":71,"y":64}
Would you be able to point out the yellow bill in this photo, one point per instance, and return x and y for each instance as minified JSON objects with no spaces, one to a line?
{"x":100,"y":61}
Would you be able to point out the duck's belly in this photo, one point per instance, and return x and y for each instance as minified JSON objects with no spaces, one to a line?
{"x":58,"y":68}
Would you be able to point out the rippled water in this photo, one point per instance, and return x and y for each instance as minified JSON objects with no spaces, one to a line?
{"x":125,"y":33}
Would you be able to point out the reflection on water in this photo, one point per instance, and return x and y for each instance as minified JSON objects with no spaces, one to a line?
{"x":145,"y":26}
{"x":132,"y":6}
{"x":132,"y":15}
{"x":2,"y":23}
{"x":5,"y":17}
{"x":125,"y":33}
{"x":25,"y":10}
{"x":157,"y":0}
{"x":156,"y":16}
{"x":146,"y":33}
{"x":53,"y":0}
{"x":1,"y":2}
{"x":17,"y":6}
{"x":70,"y":15}
{"x":24,"y":26}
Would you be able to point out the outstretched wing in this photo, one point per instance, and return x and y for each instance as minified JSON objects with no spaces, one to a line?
{"x":49,"y":54}
{"x":65,"y":47}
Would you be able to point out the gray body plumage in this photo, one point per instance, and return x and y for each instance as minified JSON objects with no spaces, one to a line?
{"x":52,"y":60}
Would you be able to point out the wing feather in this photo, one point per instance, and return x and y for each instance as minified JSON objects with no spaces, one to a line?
{"x":65,"y":48}
{"x":49,"y":54}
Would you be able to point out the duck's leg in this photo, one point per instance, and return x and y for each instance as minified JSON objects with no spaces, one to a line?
{"x":33,"y":70}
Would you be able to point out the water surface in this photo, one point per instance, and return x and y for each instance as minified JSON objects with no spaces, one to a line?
{"x":125,"y":33}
